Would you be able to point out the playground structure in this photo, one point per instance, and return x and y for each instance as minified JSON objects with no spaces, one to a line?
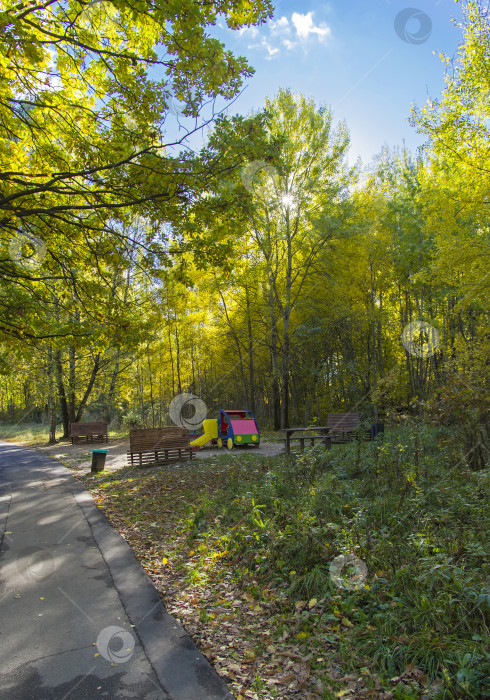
{"x":230,"y":428}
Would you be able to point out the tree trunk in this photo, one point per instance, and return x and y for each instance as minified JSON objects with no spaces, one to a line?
{"x":285,"y":375}
{"x":88,"y":390}
{"x":237,"y":343}
{"x":27,"y":394}
{"x":286,"y":341}
{"x":171,"y":359}
{"x":71,"y":390}
{"x":112,"y":388}
{"x":139,"y":379}
{"x":151,"y":386}
{"x":177,"y":359}
{"x":51,"y":399}
{"x":380,"y":344}
{"x":276,"y":396}
{"x":160,"y":395}
{"x":251,"y":377}
{"x":373,"y":352}
{"x":65,"y":418}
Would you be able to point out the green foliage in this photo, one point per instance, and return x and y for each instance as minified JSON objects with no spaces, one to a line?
{"x":403,"y":507}
{"x":286,"y":288}
{"x":414,"y":625}
{"x":86,"y":96}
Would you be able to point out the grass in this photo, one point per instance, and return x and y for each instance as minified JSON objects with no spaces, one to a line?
{"x":405,"y":507}
{"x":29,"y":434}
{"x":37,"y":434}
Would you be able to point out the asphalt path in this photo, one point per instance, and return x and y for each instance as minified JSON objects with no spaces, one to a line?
{"x":79,"y":618}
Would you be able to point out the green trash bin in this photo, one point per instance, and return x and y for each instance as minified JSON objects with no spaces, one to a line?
{"x":98,"y":460}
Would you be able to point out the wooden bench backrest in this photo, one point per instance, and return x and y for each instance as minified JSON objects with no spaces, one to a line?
{"x":344,"y":421}
{"x":149,"y":439}
{"x":82,"y":429}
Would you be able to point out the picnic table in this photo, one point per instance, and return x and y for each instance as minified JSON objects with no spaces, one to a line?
{"x":321,"y":434}
{"x":340,"y":428}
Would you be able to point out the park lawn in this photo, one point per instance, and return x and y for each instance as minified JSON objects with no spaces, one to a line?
{"x":171,"y":518}
{"x":240,"y":550}
{"x":37,"y":434}
{"x":28,"y":435}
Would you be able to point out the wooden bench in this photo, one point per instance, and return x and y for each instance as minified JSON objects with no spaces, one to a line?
{"x":343,"y":426}
{"x":151,"y":446}
{"x":88,"y":432}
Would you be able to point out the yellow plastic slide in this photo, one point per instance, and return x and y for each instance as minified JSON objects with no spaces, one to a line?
{"x":210,"y":427}
{"x":200,"y":441}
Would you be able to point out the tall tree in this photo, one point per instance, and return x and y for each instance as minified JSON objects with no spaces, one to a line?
{"x":85,"y":129}
{"x":298,"y":209}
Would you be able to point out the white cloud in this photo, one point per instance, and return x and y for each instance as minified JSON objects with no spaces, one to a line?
{"x":271,"y":50}
{"x":290,"y":33}
{"x":282,"y":26}
{"x":304,"y":27}
{"x":249,"y":31}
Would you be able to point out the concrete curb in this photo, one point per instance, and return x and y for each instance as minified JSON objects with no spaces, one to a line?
{"x":183,"y":671}
{"x":4,"y":512}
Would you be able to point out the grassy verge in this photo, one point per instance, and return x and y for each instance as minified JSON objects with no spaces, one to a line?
{"x":242,"y":552}
{"x":28,"y":434}
{"x":37,"y":434}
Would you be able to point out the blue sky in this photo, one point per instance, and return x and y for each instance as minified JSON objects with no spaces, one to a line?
{"x":346,"y":54}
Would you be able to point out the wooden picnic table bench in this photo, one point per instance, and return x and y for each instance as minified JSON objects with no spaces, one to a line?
{"x":342,"y":426}
{"x":321,"y":435}
{"x":150,"y":446}
{"x":88,"y":432}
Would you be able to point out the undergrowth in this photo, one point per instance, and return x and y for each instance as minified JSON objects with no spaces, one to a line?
{"x":409,"y":510}
{"x":405,"y":609}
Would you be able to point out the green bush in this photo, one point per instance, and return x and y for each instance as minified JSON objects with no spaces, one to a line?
{"x":416,"y":517}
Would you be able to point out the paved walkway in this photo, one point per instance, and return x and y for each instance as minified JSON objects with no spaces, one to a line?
{"x":79,"y":618}
{"x":266,"y":449}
